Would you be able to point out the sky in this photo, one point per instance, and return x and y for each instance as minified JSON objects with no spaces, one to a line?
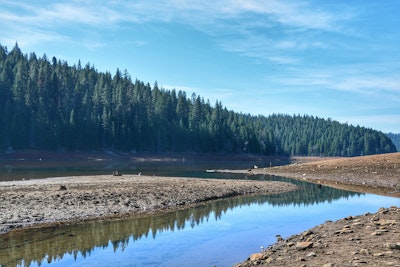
{"x":335,"y":59}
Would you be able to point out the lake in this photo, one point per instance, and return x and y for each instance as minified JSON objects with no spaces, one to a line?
{"x":219,"y":233}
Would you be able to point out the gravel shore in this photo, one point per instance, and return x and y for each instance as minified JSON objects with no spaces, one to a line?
{"x":81,"y":198}
{"x":366,"y":240}
{"x":376,"y":174}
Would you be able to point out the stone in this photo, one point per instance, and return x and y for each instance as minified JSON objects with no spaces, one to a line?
{"x":379,"y":254}
{"x":364,"y":251}
{"x":256,"y":257}
{"x":290,"y":244}
{"x":329,"y":264}
{"x":387,"y":222}
{"x":269,"y":260}
{"x":393,"y":245}
{"x":279,"y":238}
{"x":311,"y":254}
{"x":360,"y":261}
{"x":307,"y":233}
{"x":304,"y":245}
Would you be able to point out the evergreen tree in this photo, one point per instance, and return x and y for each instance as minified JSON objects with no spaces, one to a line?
{"x":50,"y":105}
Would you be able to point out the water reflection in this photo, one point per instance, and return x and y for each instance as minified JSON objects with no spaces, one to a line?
{"x":184,"y":167}
{"x":47,"y":245}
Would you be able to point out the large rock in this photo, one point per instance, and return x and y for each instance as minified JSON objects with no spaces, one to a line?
{"x":304,"y":245}
{"x":256,"y":257}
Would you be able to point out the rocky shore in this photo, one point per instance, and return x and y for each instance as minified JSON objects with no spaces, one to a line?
{"x":366,"y":240}
{"x":377,"y":174}
{"x":36,"y":203}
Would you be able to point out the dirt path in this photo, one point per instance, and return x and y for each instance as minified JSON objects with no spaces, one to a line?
{"x":71,"y":199}
{"x":367,"y":240}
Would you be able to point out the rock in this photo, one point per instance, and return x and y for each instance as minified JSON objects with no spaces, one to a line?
{"x":307,"y":233}
{"x":329,"y":264}
{"x":360,"y":261}
{"x":364,"y":251}
{"x":304,"y":245}
{"x":256,"y":257}
{"x":393,"y":245}
{"x":311,"y":254}
{"x":379,"y":254}
{"x":279,"y":238}
{"x":63,"y":187}
{"x":344,"y":231}
{"x":290,"y":244}
{"x":386,"y":222}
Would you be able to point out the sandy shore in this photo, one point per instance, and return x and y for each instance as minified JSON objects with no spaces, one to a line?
{"x":71,"y":199}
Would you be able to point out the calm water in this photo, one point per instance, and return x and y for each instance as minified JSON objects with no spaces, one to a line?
{"x":217,"y":234}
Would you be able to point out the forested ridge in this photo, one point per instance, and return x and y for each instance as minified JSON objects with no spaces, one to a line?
{"x":395,"y":139}
{"x":48,"y":104}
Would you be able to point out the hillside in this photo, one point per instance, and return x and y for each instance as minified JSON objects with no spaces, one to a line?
{"x":50,"y":105}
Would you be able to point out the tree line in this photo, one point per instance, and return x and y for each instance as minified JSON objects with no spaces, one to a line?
{"x":395,"y":139}
{"x":48,"y":104}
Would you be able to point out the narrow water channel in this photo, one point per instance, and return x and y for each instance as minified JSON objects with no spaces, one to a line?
{"x":220,"y":233}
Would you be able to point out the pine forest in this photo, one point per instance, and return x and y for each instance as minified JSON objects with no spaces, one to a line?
{"x":48,"y":104}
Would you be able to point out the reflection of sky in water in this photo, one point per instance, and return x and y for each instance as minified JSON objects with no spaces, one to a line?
{"x":230,"y":239}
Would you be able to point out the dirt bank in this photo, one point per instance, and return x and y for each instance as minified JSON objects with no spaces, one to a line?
{"x":378,"y":174}
{"x":71,"y":199}
{"x":366,"y":240}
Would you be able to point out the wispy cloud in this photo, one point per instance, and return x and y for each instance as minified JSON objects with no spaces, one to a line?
{"x":220,"y":18}
{"x":386,"y":122}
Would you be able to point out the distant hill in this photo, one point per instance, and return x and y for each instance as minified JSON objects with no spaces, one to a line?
{"x":395,"y":139}
{"x":48,"y":104}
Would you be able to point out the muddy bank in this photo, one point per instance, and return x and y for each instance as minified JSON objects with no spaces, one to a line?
{"x":81,"y":198}
{"x":366,"y":240}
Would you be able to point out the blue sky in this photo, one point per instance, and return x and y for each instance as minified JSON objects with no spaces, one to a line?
{"x":335,"y":59}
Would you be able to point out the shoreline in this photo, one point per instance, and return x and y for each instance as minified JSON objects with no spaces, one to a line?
{"x":376,"y":174}
{"x":67,"y":200}
{"x":368,"y":240}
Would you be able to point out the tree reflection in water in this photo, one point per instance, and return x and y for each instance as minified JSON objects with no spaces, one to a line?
{"x":21,"y":248}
